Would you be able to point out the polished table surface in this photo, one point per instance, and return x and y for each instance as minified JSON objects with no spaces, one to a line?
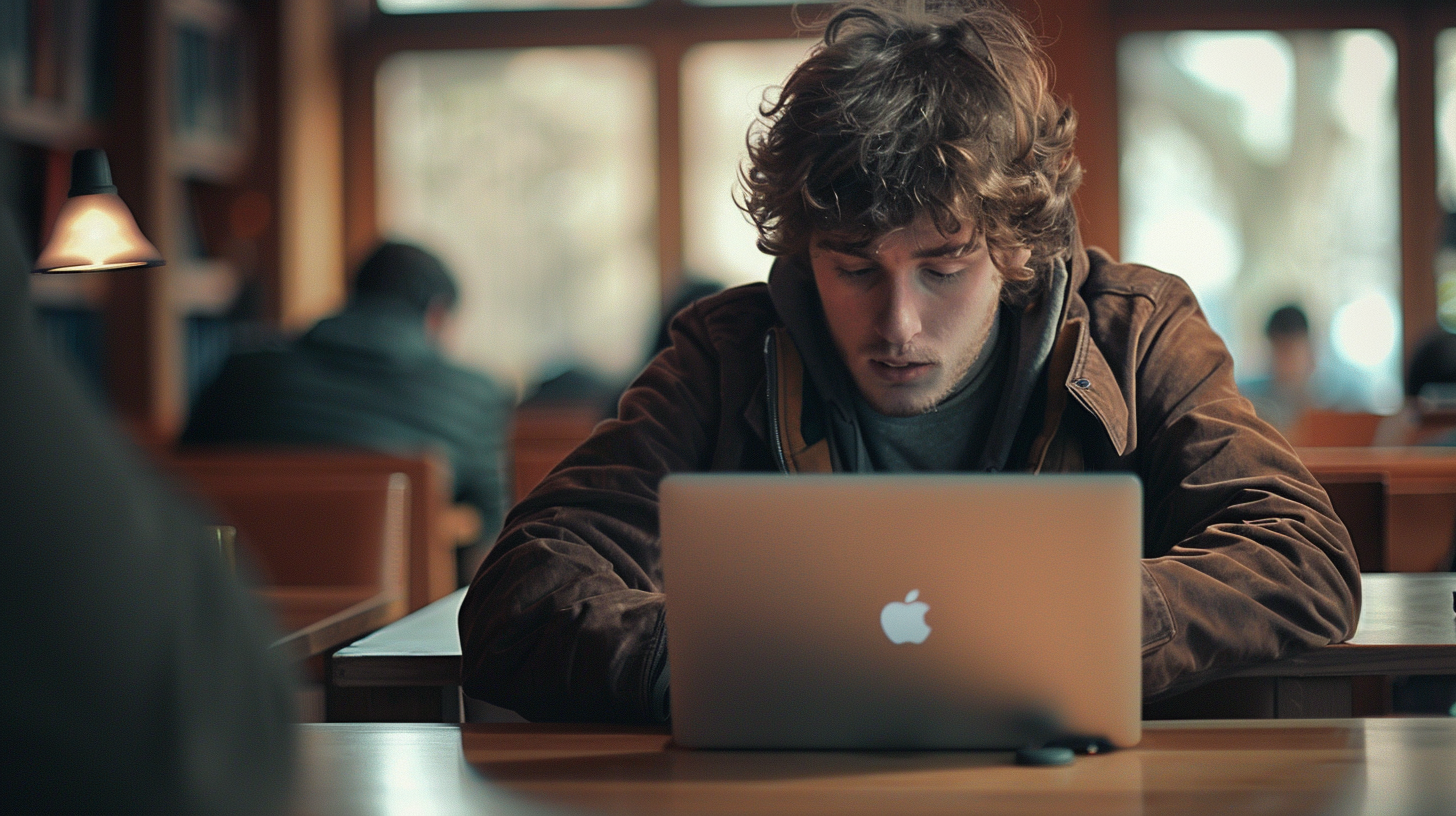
{"x":1378,"y":766}
{"x":1424,"y":461}
{"x":316,"y":619}
{"x":1407,"y":626}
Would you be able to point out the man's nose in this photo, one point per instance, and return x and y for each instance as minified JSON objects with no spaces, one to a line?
{"x":900,"y":314}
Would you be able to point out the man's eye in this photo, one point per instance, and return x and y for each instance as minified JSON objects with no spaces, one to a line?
{"x":943,"y":275}
{"x":859,"y":272}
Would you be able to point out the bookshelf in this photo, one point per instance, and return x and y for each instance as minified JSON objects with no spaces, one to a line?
{"x":169,"y":89}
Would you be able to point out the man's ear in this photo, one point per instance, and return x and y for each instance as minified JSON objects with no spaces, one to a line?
{"x":1015,"y":259}
{"x":437,"y":319}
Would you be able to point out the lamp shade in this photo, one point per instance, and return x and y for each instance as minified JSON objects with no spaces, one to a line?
{"x":94,"y":230}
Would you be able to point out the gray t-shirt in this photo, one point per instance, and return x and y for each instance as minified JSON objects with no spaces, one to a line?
{"x":949,"y":437}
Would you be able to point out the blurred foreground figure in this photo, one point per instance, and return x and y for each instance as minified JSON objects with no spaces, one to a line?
{"x":136,"y":669}
{"x":373,"y":376}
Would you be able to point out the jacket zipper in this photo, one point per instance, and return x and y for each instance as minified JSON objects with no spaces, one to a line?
{"x":771,"y":367}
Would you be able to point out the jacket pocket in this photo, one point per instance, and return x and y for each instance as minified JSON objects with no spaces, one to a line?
{"x":1158,"y":624}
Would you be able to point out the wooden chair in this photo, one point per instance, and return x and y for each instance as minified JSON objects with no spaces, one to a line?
{"x":247,"y":481}
{"x":331,"y":545}
{"x":542,"y":436}
{"x":1361,"y":501}
{"x":1420,"y":514}
{"x":1337,"y":429}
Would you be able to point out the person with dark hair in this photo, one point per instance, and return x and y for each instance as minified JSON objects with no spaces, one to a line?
{"x":1285,"y":395}
{"x":1433,"y":364}
{"x":1430,"y":395}
{"x":931,"y":308}
{"x":373,"y":376}
{"x":689,"y":292}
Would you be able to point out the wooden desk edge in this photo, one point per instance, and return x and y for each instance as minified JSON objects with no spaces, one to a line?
{"x":421,"y":670}
{"x":1326,"y":661}
{"x":1336,"y":661}
{"x":342,"y":626}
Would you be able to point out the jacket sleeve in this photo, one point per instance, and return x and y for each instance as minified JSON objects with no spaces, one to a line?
{"x":1246,"y":560}
{"x":565,"y":621}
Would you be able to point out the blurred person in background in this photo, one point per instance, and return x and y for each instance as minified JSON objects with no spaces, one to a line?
{"x":136,"y":668}
{"x":1428,"y":416}
{"x":1286,"y":394}
{"x":374,"y":376}
{"x":568,"y":385}
{"x":1299,"y":381}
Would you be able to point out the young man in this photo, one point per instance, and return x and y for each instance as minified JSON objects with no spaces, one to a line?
{"x":931,"y":308}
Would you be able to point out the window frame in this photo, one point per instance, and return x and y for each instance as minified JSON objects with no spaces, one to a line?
{"x":665,"y":29}
{"x":1412,"y":27}
{"x":1081,"y":38}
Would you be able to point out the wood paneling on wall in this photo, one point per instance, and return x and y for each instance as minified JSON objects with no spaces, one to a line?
{"x":311,"y":206}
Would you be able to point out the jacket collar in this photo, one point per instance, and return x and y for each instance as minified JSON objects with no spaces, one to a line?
{"x":796,"y":299}
{"x":375,"y":328}
{"x":1090,"y":380}
{"x":1058,"y":323}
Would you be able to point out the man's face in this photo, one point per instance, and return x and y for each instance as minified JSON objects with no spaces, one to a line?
{"x":909,"y":312}
{"x":1292,"y":359}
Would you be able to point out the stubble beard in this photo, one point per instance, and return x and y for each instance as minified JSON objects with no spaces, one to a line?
{"x":947,"y":385}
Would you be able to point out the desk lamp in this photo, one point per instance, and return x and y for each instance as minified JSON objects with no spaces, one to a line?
{"x":94,"y":229}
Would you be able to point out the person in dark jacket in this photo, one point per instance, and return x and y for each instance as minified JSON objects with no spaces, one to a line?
{"x":373,"y":376}
{"x":931,"y":307}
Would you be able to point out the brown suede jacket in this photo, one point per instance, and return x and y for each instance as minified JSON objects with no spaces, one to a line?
{"x":1116,"y":369}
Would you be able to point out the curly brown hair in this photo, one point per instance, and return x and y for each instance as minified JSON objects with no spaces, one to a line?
{"x":899,"y":114}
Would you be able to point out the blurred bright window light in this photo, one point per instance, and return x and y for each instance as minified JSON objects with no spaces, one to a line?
{"x":532,"y":173}
{"x":1365,"y":331}
{"x":756,"y":2}
{"x":723,"y":86}
{"x":435,"y":6}
{"x":1253,"y":73}
{"x":1446,"y":175}
{"x":1261,"y":166}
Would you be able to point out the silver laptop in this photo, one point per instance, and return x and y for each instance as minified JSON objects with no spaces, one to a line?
{"x":902,"y":611}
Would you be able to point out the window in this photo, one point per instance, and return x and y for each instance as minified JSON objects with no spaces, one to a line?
{"x":1258,"y":153}
{"x":433,"y":6}
{"x":1446,"y":176}
{"x":531,"y":173}
{"x":1262,"y":167}
{"x":723,"y":86}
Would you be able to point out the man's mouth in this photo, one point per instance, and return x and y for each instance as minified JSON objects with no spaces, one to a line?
{"x":898,"y":371}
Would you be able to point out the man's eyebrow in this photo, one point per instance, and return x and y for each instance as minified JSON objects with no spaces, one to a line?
{"x":859,"y":249}
{"x":946,"y":250}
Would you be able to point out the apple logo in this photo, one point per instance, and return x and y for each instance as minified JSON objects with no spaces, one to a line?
{"x":905,"y":622}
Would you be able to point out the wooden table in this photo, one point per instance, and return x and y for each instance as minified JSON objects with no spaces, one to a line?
{"x":1382,"y":766}
{"x":316,"y":619}
{"x":1421,"y":502}
{"x":409,"y":671}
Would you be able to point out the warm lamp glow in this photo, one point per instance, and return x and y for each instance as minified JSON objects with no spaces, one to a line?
{"x":96,"y":232}
{"x":94,"y":229}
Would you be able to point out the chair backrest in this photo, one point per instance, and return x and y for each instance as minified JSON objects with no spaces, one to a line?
{"x":312,"y":514}
{"x":542,"y":436}
{"x":1334,"y":429}
{"x":1360,"y":500}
